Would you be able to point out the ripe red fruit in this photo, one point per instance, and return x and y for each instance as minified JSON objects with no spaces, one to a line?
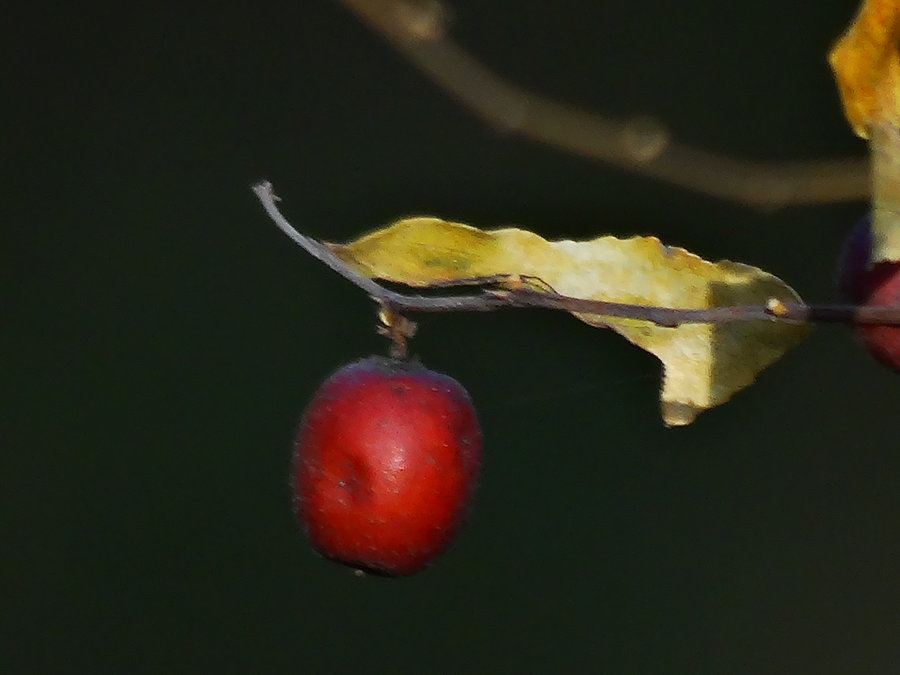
{"x":875,"y":286}
{"x":385,"y":464}
{"x":883,"y":342}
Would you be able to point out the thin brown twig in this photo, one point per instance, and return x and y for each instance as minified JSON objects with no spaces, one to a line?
{"x":491,"y":299}
{"x":417,"y":29}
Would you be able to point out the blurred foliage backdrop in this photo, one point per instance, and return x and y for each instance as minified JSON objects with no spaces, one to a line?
{"x":162,"y":337}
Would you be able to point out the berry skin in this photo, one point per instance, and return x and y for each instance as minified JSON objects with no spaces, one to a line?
{"x":875,"y":286}
{"x":883,"y":342}
{"x":385,"y":465}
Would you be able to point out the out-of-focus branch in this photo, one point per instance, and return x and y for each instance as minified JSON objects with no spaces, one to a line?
{"x":417,"y":29}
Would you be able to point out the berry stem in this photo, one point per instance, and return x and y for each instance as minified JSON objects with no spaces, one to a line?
{"x":398,"y":329}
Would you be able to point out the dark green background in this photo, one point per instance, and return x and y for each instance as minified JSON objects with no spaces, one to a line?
{"x":161,"y":338}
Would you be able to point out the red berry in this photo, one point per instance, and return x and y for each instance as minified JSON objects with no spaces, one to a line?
{"x":875,"y":286}
{"x":385,"y":464}
{"x":883,"y":342}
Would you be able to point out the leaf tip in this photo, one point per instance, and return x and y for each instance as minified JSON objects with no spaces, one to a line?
{"x":678,"y":413}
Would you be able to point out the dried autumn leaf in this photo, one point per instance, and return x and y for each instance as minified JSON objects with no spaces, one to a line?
{"x":866,"y":63}
{"x":867,"y":67}
{"x":704,"y":364}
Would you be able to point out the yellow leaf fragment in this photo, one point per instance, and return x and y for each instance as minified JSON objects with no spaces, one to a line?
{"x":884,"y":148}
{"x":704,"y":364}
{"x":867,"y":66}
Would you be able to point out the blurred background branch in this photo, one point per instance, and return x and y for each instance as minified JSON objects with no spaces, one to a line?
{"x":418,"y":30}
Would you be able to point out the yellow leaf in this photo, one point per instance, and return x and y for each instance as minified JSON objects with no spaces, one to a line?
{"x":704,"y":364}
{"x":884,"y":147}
{"x":867,"y":67}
